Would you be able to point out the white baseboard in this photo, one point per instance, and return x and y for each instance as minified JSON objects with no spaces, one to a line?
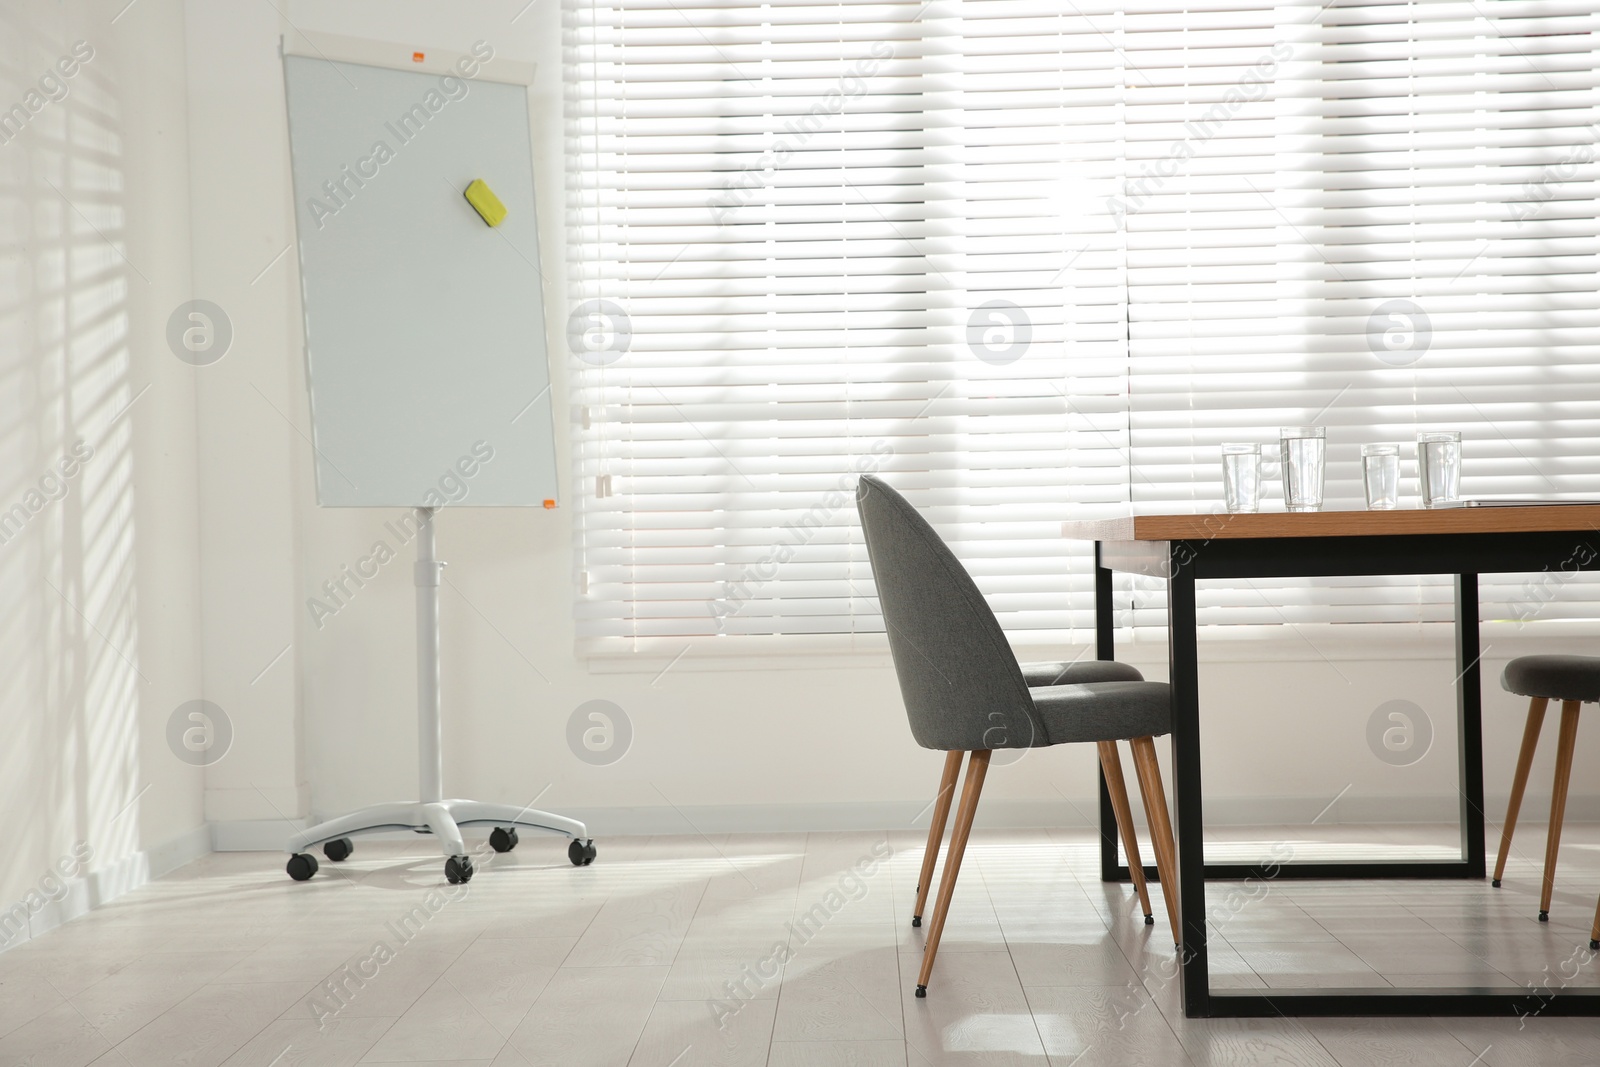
{"x":255,"y":835}
{"x":187,"y":847}
{"x":1025,"y":814}
{"x":997,"y":813}
{"x":105,"y":884}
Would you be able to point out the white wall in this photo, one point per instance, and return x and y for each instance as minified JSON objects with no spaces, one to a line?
{"x":100,"y":638}
{"x":252,"y":408}
{"x":175,"y":563}
{"x":800,"y":742}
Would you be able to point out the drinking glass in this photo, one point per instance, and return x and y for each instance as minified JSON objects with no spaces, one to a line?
{"x":1380,"y":470}
{"x":1241,"y":476}
{"x":1303,"y":451}
{"x":1439,"y":466}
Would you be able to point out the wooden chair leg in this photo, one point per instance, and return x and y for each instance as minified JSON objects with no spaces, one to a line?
{"x":941,"y":811}
{"x":1155,"y":812}
{"x":1594,"y":931}
{"x":1117,"y":786}
{"x":977,"y":767}
{"x":1519,"y":781}
{"x":1558,"y":801}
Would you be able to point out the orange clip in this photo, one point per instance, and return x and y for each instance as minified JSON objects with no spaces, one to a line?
{"x":550,"y":505}
{"x":416,"y":57}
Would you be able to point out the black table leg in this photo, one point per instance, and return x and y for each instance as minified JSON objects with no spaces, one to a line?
{"x":1105,"y":634}
{"x":1111,"y":868}
{"x":1199,"y":1000}
{"x":1469,"y":724}
{"x":1184,"y":652}
{"x":1105,"y":647}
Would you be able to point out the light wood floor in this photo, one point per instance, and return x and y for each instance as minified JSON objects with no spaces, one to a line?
{"x":630,"y":961}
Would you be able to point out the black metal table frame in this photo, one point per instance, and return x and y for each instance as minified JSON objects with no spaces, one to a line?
{"x":1181,"y":563}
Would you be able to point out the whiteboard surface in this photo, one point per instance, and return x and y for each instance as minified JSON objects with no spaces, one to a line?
{"x":424,"y":327}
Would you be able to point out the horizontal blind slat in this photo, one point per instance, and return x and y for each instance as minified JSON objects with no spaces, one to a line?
{"x":1035,"y":261}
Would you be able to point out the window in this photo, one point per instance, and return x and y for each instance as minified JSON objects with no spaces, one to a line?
{"x":1036,"y":262}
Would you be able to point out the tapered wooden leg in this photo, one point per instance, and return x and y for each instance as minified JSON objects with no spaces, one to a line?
{"x":1594,"y":931}
{"x":977,"y":767}
{"x":1519,"y":781}
{"x":941,"y":811}
{"x":1155,"y":813}
{"x":1558,"y":801}
{"x":1117,"y":786}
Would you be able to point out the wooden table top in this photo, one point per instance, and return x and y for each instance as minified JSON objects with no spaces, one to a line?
{"x":1534,"y":518}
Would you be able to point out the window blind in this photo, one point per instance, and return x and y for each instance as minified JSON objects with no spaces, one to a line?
{"x":1388,"y":225}
{"x":1035,"y":262}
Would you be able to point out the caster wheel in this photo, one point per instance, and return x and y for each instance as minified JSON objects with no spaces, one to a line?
{"x":581,"y":853}
{"x":1495,"y":883}
{"x":338,"y":851}
{"x":922,"y":992}
{"x":502,"y":840}
{"x":1149,"y":920}
{"x":1544,"y":916}
{"x":458,"y":869}
{"x":916,"y":920}
{"x":301,"y":866}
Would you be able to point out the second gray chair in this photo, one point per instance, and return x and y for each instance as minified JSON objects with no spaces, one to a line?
{"x":965,"y":693}
{"x":1038,"y":675}
{"x":1575,"y":681}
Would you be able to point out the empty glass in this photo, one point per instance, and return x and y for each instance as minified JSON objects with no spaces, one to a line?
{"x":1241,"y":476}
{"x":1380,"y":471}
{"x":1439,"y":466}
{"x":1303,"y":451}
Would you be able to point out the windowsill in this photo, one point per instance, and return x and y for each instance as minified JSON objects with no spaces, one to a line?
{"x":1342,"y":642}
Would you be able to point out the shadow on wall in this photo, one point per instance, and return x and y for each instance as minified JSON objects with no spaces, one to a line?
{"x":70,"y":683}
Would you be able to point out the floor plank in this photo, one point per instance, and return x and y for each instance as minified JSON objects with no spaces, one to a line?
{"x":782,"y":950}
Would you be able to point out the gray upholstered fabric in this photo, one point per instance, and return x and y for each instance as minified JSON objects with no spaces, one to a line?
{"x":1556,"y":677}
{"x":1104,"y":711}
{"x":1061,"y":672}
{"x":960,"y":682}
{"x":958,"y":677}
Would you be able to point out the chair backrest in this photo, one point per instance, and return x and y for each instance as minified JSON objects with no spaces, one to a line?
{"x":958,"y":676}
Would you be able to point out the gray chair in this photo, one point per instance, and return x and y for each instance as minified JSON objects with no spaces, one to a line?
{"x":964,"y":692}
{"x":1036,"y":675}
{"x":1575,"y":681}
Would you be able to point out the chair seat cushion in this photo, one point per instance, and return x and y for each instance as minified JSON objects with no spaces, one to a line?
{"x":1103,"y":711}
{"x":1554,"y":677}
{"x":1060,"y":672}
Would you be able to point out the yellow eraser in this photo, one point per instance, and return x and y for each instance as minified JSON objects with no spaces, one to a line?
{"x":485,"y":203}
